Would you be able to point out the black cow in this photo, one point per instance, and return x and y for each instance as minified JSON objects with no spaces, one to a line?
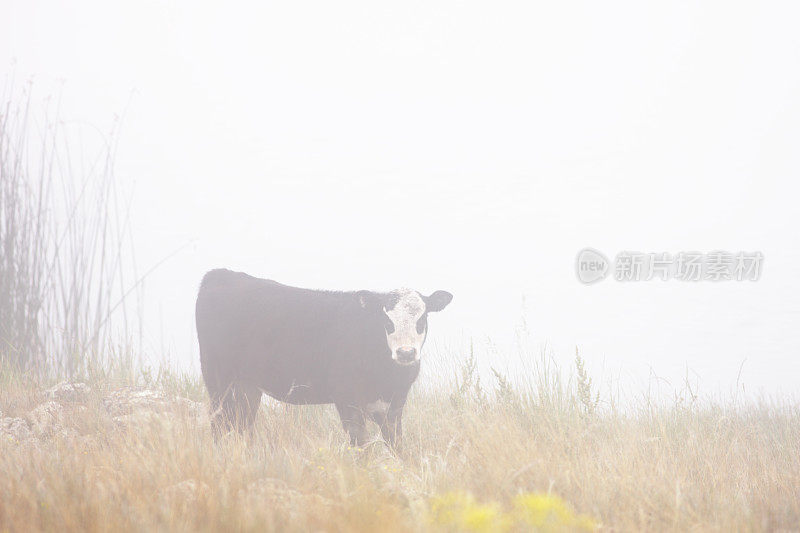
{"x":357,"y":350}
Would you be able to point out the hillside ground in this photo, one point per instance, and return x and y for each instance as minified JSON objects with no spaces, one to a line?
{"x":138,"y":455}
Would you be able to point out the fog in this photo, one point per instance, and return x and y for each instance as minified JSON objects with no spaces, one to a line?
{"x":457,"y":147}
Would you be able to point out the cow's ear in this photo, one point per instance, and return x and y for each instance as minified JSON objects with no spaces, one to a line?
{"x":368,"y":300}
{"x":437,"y":301}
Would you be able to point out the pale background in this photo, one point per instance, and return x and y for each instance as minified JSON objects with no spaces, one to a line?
{"x":473,"y":147}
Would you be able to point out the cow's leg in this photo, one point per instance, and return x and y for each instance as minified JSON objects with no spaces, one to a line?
{"x":218,"y":385}
{"x":354,"y":423}
{"x":392,"y":427}
{"x":219,"y":410}
{"x":388,"y":419}
{"x":248,"y":400}
{"x":236,"y":408}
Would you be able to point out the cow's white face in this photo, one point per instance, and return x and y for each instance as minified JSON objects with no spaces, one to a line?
{"x":406,"y":327}
{"x":404,"y":314}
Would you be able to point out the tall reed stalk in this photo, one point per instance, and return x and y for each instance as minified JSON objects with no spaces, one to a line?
{"x":65,"y":250}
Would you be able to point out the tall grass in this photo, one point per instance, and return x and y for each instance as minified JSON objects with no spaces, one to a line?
{"x":477,"y":458}
{"x":540,"y":449}
{"x":65,"y":253}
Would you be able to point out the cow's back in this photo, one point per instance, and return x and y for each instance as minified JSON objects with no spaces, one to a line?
{"x":289,"y":342}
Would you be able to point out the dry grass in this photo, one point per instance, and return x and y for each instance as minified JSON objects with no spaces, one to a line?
{"x":530,"y":451}
{"x":115,"y":459}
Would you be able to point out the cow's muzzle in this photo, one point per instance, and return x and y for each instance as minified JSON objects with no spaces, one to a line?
{"x":406,"y":355}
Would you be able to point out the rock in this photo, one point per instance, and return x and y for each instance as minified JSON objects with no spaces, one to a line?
{"x":184,"y":494}
{"x":142,"y":418}
{"x":125,"y":401}
{"x":69,"y":434}
{"x":68,"y":392}
{"x":129,"y":407}
{"x":15,"y":429}
{"x":192,"y":407}
{"x":47,"y":418}
{"x":197,"y":411}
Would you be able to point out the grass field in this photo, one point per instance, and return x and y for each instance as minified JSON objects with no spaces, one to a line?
{"x":138,"y":454}
{"x":130,"y":450}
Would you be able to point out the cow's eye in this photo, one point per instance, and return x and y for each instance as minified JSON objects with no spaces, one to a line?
{"x":422,"y":323}
{"x":389,"y":325}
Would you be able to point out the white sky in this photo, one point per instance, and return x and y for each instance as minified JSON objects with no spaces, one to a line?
{"x":465,"y":146}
